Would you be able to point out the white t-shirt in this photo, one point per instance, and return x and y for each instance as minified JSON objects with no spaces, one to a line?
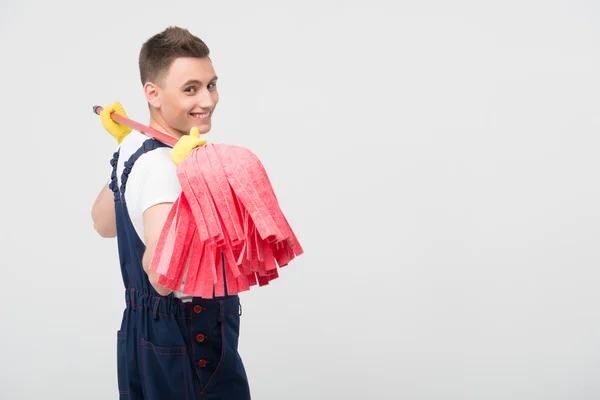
{"x":152,"y":180}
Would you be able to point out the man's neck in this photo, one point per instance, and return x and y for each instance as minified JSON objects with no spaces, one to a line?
{"x":158,"y":123}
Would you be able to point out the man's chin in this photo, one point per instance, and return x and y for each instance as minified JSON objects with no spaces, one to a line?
{"x":202,"y":128}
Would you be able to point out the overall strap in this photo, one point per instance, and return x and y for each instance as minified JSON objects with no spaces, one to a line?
{"x":113,"y":177}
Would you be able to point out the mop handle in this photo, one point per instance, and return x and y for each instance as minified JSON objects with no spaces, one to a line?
{"x":139,"y":127}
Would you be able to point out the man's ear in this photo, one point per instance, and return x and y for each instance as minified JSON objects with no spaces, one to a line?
{"x":151,"y":92}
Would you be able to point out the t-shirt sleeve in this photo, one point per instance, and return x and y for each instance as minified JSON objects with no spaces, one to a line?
{"x":154,"y":180}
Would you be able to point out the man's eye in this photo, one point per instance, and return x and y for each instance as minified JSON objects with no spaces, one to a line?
{"x":212,"y":85}
{"x":190,"y":90}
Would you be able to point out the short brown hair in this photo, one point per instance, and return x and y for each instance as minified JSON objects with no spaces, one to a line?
{"x":162,"y":49}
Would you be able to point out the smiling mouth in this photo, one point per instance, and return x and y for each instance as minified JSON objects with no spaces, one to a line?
{"x":201,"y":116}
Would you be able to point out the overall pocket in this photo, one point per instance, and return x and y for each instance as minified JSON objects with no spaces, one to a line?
{"x":164,"y":372}
{"x":122,"y":379}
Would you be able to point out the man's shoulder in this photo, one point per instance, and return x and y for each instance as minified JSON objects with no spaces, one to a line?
{"x":135,"y":140}
{"x":131,"y":143}
{"x":159,"y":157}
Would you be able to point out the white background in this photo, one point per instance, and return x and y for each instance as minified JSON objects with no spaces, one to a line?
{"x":438,"y":161}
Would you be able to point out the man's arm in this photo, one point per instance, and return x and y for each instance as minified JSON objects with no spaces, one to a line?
{"x":154,"y":220}
{"x":103,"y":214}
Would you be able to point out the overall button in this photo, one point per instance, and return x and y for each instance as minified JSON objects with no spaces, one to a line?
{"x":198,"y":309}
{"x":202,"y":363}
{"x":200,"y":337}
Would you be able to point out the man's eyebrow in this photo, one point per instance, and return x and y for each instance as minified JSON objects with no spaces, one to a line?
{"x":197,"y":82}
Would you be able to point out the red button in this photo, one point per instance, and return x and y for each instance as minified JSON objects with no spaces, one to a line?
{"x":197,"y":309}
{"x":202,"y":363}
{"x":200,"y":337}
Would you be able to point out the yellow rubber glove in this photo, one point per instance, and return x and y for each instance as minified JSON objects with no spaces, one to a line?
{"x":185,"y":145}
{"x":117,"y":130}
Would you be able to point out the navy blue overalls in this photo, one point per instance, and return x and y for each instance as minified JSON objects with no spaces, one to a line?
{"x":168,"y":349}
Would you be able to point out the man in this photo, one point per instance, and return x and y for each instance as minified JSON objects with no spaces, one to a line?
{"x":170,"y":346}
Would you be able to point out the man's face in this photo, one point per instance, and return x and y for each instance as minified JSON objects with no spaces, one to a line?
{"x":187,"y":95}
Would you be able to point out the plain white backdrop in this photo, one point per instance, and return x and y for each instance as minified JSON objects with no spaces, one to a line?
{"x":438,"y":161}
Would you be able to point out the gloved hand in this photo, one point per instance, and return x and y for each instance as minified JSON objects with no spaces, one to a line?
{"x":185,"y":145}
{"x":117,"y":130}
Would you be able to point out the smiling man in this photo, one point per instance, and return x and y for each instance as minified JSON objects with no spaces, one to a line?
{"x":170,"y":346}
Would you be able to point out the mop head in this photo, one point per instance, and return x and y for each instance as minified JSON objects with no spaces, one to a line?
{"x":227,"y":206}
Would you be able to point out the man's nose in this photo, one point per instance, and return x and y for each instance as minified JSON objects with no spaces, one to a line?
{"x":205,"y":99}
